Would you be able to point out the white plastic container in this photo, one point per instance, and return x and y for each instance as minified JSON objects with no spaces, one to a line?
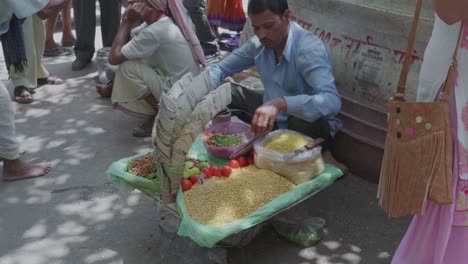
{"x":303,"y":167}
{"x":105,"y":70}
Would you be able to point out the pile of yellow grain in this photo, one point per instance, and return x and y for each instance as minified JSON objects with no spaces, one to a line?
{"x":221,"y":201}
{"x":286,"y":142}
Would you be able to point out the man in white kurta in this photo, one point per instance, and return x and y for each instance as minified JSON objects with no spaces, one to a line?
{"x":151,"y":57}
{"x":158,"y":55}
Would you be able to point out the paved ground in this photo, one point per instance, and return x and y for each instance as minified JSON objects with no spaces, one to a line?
{"x":75,"y":215}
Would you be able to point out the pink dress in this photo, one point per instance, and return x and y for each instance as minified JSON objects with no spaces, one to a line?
{"x":440,"y":236}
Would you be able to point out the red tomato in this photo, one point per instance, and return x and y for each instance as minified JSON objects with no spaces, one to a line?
{"x":215,"y":171}
{"x":207,"y":173}
{"x":226,"y":171}
{"x":242,"y":161}
{"x":194,"y":179}
{"x":250,"y":160}
{"x":252,"y":153}
{"x":234,"y":164}
{"x":186,"y":185}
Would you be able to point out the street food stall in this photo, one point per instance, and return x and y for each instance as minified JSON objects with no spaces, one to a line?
{"x":221,"y":198}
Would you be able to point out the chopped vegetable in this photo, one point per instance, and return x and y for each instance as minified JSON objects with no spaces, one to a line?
{"x":225,"y":140}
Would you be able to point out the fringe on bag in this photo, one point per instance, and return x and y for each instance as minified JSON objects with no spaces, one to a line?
{"x":403,"y":188}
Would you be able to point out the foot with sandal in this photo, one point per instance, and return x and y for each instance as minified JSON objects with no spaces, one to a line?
{"x":53,"y":49}
{"x":23,"y":95}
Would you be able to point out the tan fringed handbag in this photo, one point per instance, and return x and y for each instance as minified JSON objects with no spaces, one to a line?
{"x":417,"y":162}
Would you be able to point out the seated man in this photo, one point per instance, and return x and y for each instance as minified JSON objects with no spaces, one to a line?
{"x":159,"y":53}
{"x":294,"y":67}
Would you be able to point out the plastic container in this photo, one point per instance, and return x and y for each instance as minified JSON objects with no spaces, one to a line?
{"x":223,"y":116}
{"x":106,"y":72}
{"x":228,"y":128}
{"x":299,"y":169}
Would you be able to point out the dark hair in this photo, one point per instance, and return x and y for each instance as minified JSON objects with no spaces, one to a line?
{"x":278,"y":7}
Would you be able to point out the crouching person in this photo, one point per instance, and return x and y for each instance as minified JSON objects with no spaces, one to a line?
{"x":151,"y":57}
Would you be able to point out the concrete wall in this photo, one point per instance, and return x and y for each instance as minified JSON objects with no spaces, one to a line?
{"x":367,"y":40}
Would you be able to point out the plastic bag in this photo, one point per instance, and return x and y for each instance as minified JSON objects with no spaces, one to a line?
{"x":117,"y":171}
{"x":299,"y":169}
{"x":305,"y":233}
{"x":208,"y":236}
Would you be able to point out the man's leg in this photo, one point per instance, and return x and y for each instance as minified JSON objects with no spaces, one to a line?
{"x":43,"y":77}
{"x":110,"y":20}
{"x":39,"y":41}
{"x":50,"y":29}
{"x":13,"y":167}
{"x":27,"y":78}
{"x":85,"y":26}
{"x":245,"y":101}
{"x":68,"y":39}
{"x":196,"y":10}
{"x":136,"y":91}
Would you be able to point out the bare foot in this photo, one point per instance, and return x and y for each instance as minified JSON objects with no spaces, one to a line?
{"x":14,"y":170}
{"x":105,"y":90}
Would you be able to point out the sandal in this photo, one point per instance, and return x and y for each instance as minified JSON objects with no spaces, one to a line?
{"x":69,"y":43}
{"x":56,"y":51}
{"x":22,"y":95}
{"x":145,"y":129}
{"x":51,"y":79}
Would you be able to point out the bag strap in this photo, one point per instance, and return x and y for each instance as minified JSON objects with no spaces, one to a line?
{"x":400,"y":92}
{"x":447,"y":90}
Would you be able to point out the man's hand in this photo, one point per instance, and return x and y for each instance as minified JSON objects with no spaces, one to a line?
{"x":135,"y":11}
{"x":52,"y":8}
{"x":265,"y":116}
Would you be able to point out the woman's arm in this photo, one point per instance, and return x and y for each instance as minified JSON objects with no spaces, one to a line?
{"x":451,"y":11}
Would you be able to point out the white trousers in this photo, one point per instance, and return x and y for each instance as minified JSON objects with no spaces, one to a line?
{"x":8,"y":144}
{"x":34,"y":41}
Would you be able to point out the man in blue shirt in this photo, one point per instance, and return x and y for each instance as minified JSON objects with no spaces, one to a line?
{"x":295,"y":69}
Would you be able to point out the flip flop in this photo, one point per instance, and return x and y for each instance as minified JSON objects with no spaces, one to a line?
{"x":69,"y":43}
{"x":51,"y":79}
{"x":56,"y":51}
{"x":145,"y":129}
{"x":22,"y":95}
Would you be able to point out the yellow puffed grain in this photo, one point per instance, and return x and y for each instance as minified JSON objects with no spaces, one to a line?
{"x":286,"y":142}
{"x":221,"y":201}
